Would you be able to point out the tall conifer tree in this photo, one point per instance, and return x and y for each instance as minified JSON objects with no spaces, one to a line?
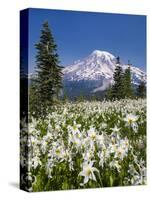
{"x":48,"y":81}
{"x":117,"y":92}
{"x":127,"y":84}
{"x":141,"y":90}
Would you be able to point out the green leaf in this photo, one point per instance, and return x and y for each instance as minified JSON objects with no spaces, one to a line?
{"x":111,"y":181}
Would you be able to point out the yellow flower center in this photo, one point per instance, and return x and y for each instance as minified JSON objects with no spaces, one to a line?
{"x":57,"y":151}
{"x":119,"y":153}
{"x":130,"y":121}
{"x":88,"y":172}
{"x":93,"y":136}
{"x":75,"y":128}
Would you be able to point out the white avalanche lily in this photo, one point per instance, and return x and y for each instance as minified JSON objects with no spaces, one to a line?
{"x":115,"y":129}
{"x":120,"y":152}
{"x":75,"y":128}
{"x":88,"y":171}
{"x":92,"y":133}
{"x":115,"y":164}
{"x":130,"y":118}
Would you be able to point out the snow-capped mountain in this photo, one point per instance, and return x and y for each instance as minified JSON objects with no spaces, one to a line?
{"x":97,"y":64}
{"x":95,"y":72}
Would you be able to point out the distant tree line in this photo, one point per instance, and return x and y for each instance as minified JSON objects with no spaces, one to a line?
{"x":122,"y":86}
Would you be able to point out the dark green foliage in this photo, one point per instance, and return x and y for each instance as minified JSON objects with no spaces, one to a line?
{"x":64,"y":97}
{"x":117,"y":92}
{"x":46,"y":85}
{"x":81,"y":97}
{"x":141,"y":90}
{"x":108,"y":95}
{"x":122,"y":87}
{"x":127,"y":84}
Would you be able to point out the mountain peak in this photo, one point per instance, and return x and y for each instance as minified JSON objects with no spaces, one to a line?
{"x":105,"y":54}
{"x":97,"y":52}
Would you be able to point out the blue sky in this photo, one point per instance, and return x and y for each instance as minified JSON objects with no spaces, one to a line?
{"x":77,"y":34}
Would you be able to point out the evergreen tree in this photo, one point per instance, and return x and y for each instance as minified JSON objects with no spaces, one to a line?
{"x":117,"y":92}
{"x":81,"y":97}
{"x":48,"y":82}
{"x":108,"y":94}
{"x":141,"y":90}
{"x":65,"y":96}
{"x":127,"y":84}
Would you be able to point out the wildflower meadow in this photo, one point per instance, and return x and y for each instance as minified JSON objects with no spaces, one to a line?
{"x":85,"y":145}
